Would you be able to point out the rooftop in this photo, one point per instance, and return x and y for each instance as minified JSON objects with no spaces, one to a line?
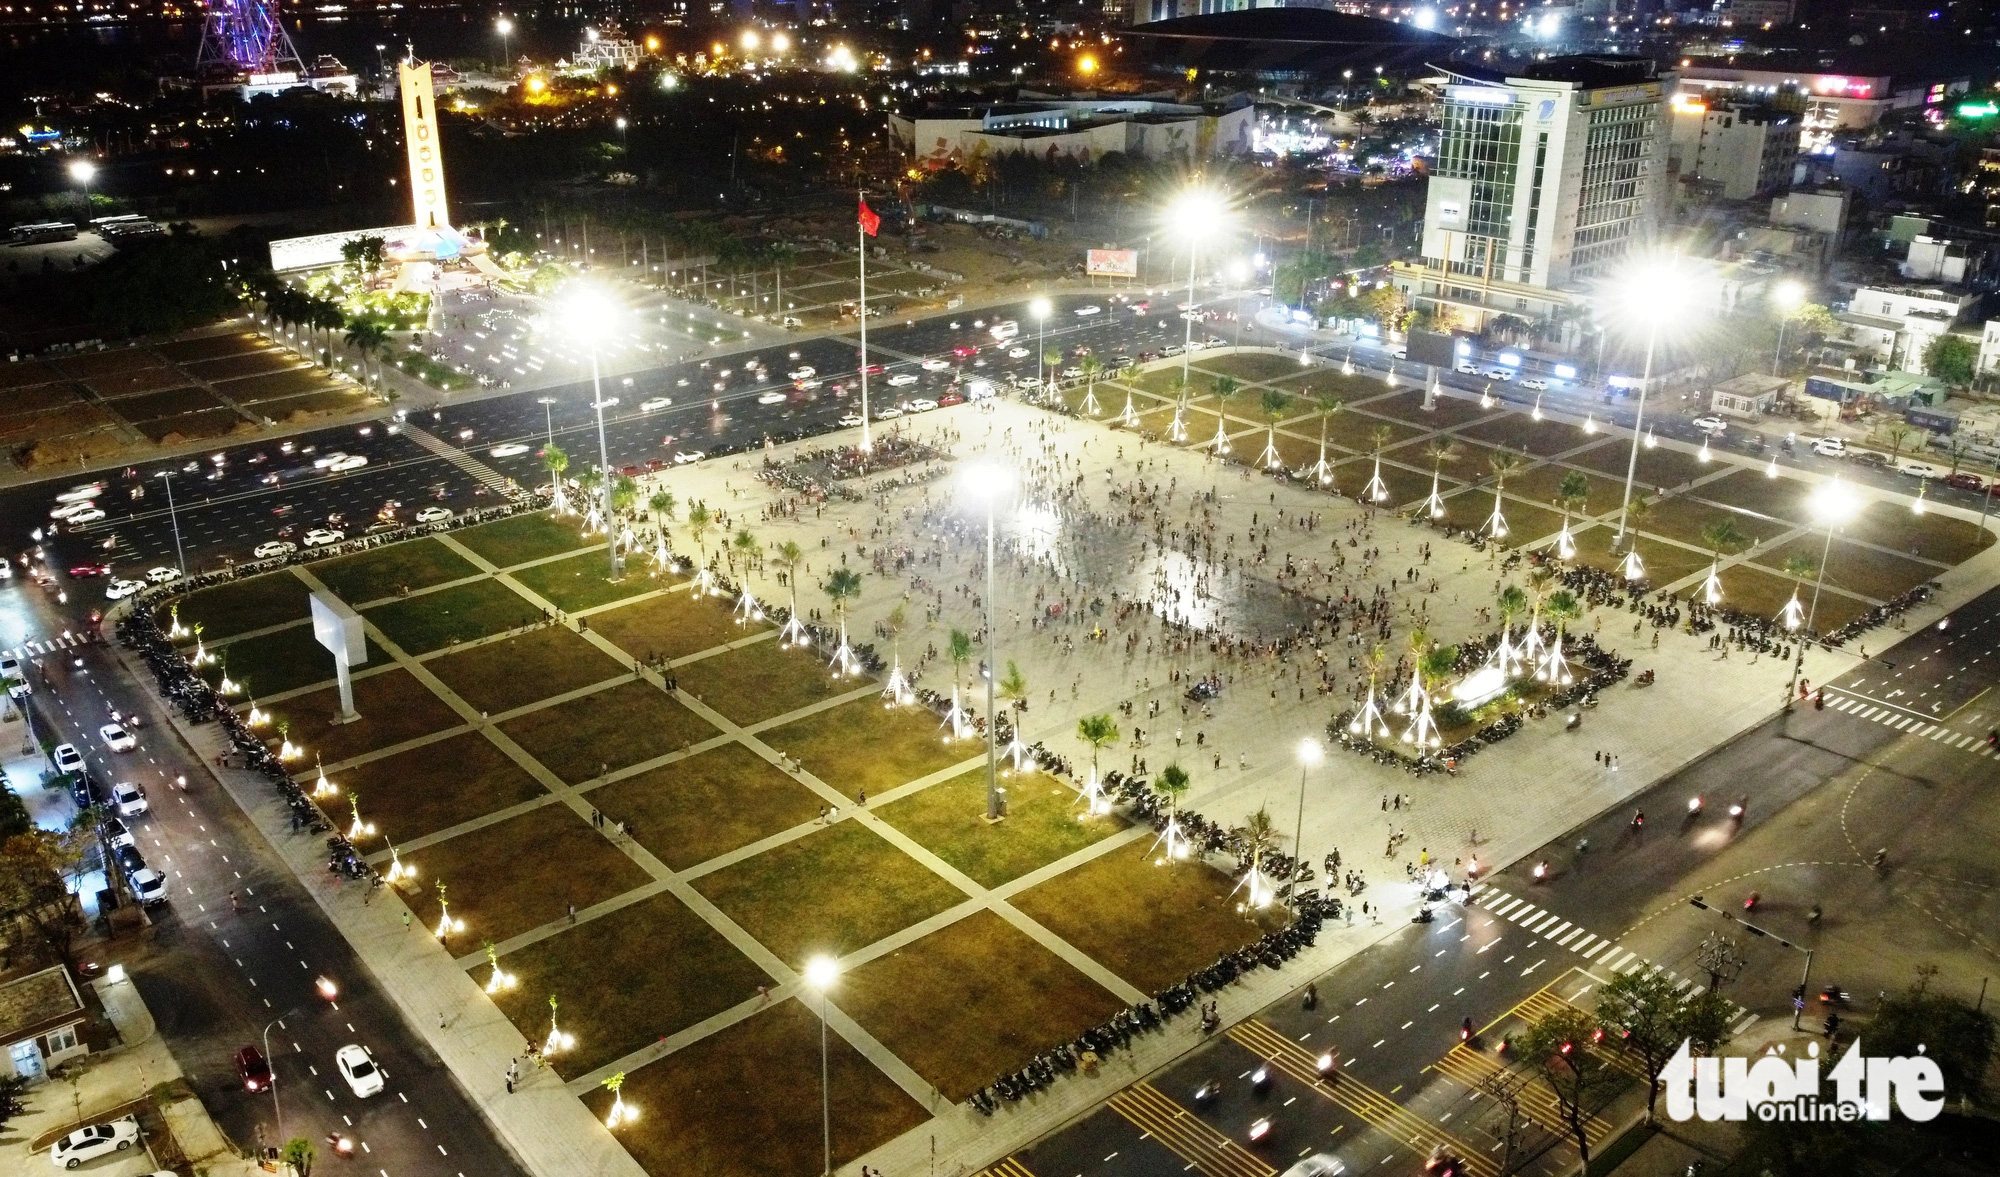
{"x":1289,"y":40}
{"x":30,"y":1004}
{"x":1586,"y":71}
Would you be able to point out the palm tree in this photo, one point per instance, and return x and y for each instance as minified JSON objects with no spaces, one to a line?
{"x":1178,"y":385}
{"x":1440,"y":450}
{"x":1259,"y":839}
{"x":842,"y":586}
{"x":700,"y":519}
{"x":1099,"y":732}
{"x":1562,"y":608}
{"x":368,"y":336}
{"x":1509,"y":604}
{"x":1225,"y":387}
{"x":1503,"y":463}
{"x":662,"y":503}
{"x":1572,"y":495}
{"x":624,"y":493}
{"x":1172,"y":784}
{"x":743,"y":544}
{"x":1274,"y":402}
{"x":1328,"y":403}
{"x":1013,"y":686}
{"x":555,"y":461}
{"x":1092,"y":369}
{"x":1718,"y":536}
{"x":1798,"y":567}
{"x":958,"y":648}
{"x":788,"y":556}
{"x":1377,"y":491}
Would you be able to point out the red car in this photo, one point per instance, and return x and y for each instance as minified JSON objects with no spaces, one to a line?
{"x":256,"y":1073}
{"x":950,"y":398}
{"x":964,"y":351}
{"x":873,"y":369}
{"x":91,"y":570}
{"x":1966,"y":481}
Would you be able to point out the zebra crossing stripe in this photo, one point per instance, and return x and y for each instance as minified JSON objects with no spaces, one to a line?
{"x":1573,"y":934}
{"x":1504,"y":908}
{"x":1601,"y":946}
{"x":1583,"y":943}
{"x":1558,"y":930}
{"x":1542,"y":920}
{"x":1844,"y":705}
{"x":1522,"y":912}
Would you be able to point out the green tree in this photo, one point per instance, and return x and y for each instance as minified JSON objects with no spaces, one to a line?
{"x":1092,"y":369}
{"x":1275,"y":402}
{"x":842,"y":586}
{"x":1814,"y":322}
{"x":299,"y":1152}
{"x":1899,"y":435}
{"x":1573,"y":493}
{"x":369,"y":336}
{"x":1226,"y":387}
{"x":1260,"y":837}
{"x":958,"y":648}
{"x":700,"y":519}
{"x":1384,"y":304}
{"x":1722,"y":535}
{"x":1099,"y":732}
{"x":1557,"y":1048}
{"x":1013,"y":686}
{"x":1504,"y":464}
{"x":743,"y":546}
{"x":366,"y":254}
{"x":167,"y":284}
{"x":1511,"y":603}
{"x":1172,"y":784}
{"x":34,"y":871}
{"x":1437,"y":663}
{"x":1561,"y":607}
{"x":1952,"y":358}
{"x":1655,"y":1017}
{"x":624,"y":493}
{"x":788,"y":556}
{"x":662,"y":504}
{"x":1956,"y":1036}
{"x":555,"y":461}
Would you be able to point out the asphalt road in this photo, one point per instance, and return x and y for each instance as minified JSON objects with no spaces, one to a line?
{"x":1894,"y":761}
{"x":218,"y":977}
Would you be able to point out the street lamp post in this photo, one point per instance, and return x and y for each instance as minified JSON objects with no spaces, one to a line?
{"x":276,"y":1107}
{"x":1653,"y":290}
{"x":1040,"y":309}
{"x":1194,"y":212}
{"x":83,"y":172}
{"x":180,"y":557}
{"x":504,"y":26}
{"x":548,"y":415}
{"x":1310,"y":754}
{"x":988,"y":480}
{"x":1788,"y":296}
{"x":589,"y":313}
{"x":820,"y":973}
{"x":1831,"y":506}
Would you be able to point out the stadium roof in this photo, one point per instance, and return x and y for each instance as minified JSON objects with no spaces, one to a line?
{"x":1285,"y":40}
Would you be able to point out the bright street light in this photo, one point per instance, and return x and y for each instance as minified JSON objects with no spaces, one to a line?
{"x":1654,"y":291}
{"x":1040,"y":309}
{"x":83,"y":171}
{"x":750,"y":42}
{"x":987,"y":481}
{"x":1833,"y":504}
{"x":588,"y":314}
{"x":1310,"y":754}
{"x":1195,"y":213}
{"x":505,"y":28}
{"x":820,"y":974}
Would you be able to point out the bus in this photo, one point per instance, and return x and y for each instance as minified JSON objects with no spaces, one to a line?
{"x":42,"y":231}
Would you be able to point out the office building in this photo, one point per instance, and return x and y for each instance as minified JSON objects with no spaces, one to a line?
{"x":1545,"y":180}
{"x":1742,"y":150}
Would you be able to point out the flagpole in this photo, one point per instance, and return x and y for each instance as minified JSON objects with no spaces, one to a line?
{"x":861,"y":236}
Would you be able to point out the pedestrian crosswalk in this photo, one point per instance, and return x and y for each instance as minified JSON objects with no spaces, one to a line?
{"x":1908,"y":722}
{"x":492,"y":478}
{"x":36,"y":647}
{"x":1601,"y":952}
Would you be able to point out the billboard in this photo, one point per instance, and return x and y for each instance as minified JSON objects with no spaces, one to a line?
{"x":337,"y":627}
{"x":1112,"y":263}
{"x":1435,"y":348}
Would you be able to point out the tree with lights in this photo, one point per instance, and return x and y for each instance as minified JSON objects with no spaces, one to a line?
{"x":1225,"y":388}
{"x":843,"y":586}
{"x":1098,"y":732}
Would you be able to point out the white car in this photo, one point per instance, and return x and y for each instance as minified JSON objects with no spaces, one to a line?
{"x":920,"y":405}
{"x":89,"y":514}
{"x":902,"y":379}
{"x":68,"y":759}
{"x":1537,"y":385}
{"x":87,"y":1144}
{"x":935,"y":365}
{"x":1830,"y":447}
{"x":434,"y":515}
{"x":850,"y":419}
{"x":77,"y":494}
{"x":1499,"y":374}
{"x":1017,"y":353}
{"x":129,"y":800}
{"x":148,"y":886}
{"x":1468,"y":369}
{"x":116,"y":833}
{"x":1317,"y":1165}
{"x":1918,"y":469}
{"x":63,"y":512}
{"x":1711,"y":425}
{"x":507,"y":449}
{"x":1087,"y":310}
{"x":686,"y":457}
{"x":348,"y":462}
{"x":10,"y":666}
{"x":328,"y":458}
{"x":162,"y":574}
{"x":358,"y":1067}
{"x":118,"y":590}
{"x":888,"y":414}
{"x":770,"y":398}
{"x":321,"y":536}
{"x":655,"y":403}
{"x":276,"y":547}
{"x":802,"y":372}
{"x":1071,"y":373}
{"x":116,"y":738}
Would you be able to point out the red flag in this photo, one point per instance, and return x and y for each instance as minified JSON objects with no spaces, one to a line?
{"x":869,"y":221}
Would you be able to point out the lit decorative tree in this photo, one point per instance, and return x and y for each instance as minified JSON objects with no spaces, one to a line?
{"x":1099,"y":732}
{"x":1719,"y":536}
{"x":700,"y":519}
{"x":1368,"y":722}
{"x":1328,"y":404}
{"x":1013,"y":687}
{"x":1532,"y":647}
{"x":286,"y":749}
{"x":358,"y":829}
{"x":897,"y":689}
{"x":1260,"y":839}
{"x":1177,"y":430}
{"x":1798,"y":568}
{"x":1377,"y":491}
{"x":1433,"y":666}
{"x":1092,"y":369}
{"x":1274,"y":403}
{"x":842,"y":586}
{"x":1509,"y":604}
{"x":1562,"y":608}
{"x":556,"y":462}
{"x":1503,"y":464}
{"x":558,"y":1039}
{"x":790,"y":557}
{"x":1172,"y":784}
{"x":175,"y":630}
{"x":1440,"y":450}
{"x":958,"y":648}
{"x":446,"y":925}
{"x":1634,"y":568}
{"x":1225,"y":387}
{"x":621,"y":1112}
{"x":399,"y":871}
{"x":1572,"y":495}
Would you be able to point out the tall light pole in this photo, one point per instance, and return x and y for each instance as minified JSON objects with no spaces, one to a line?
{"x":548,"y":415}
{"x":1832,"y":505}
{"x":504,"y":26}
{"x":1193,"y":213}
{"x":275,"y":1105}
{"x":989,"y":480}
{"x":589,"y":312}
{"x":1787,"y":298}
{"x":1040,"y":309}
{"x":1652,"y":290}
{"x":820,"y":974}
{"x":83,"y":172}
{"x":1310,"y":754}
{"x":180,"y":558}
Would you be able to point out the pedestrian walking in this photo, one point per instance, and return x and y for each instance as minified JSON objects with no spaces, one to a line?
{"x":513,"y":1073}
{"x":406,"y":921}
{"x":572,"y":913}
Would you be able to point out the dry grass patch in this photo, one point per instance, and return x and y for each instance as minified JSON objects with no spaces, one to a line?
{"x":1866,"y":571}
{"x":606,"y":730}
{"x":435,"y":787}
{"x":1659,"y":468}
{"x":707,"y":805}
{"x":515,"y":875}
{"x":761,"y":681}
{"x":513,"y":672}
{"x":282,"y":660}
{"x":1518,"y":431}
{"x":992,"y":998}
{"x":672,"y":625}
{"x":371,"y":575}
{"x":865,"y":746}
{"x":738,"y":1103}
{"x":241,"y":606}
{"x":583,"y":582}
{"x":1045,"y":822}
{"x":834,"y":891}
{"x":393,"y":706}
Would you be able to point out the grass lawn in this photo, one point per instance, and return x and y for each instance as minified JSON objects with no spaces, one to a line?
{"x":461,"y":613}
{"x":1931,"y":535}
{"x":522,"y":538}
{"x":863,"y":745}
{"x":1250,"y":366}
{"x":1407,"y":488}
{"x":674,"y":626}
{"x":619,"y":725}
{"x":992,"y":999}
{"x":1446,"y":412}
{"x":518,"y":874}
{"x":434,"y":787}
{"x":761,"y":681}
{"x":1682,"y":517}
{"x":1518,"y":431}
{"x":1782,"y":498}
{"x":833,"y":891}
{"x":1150,"y":924}
{"x":1526,"y":524}
{"x":393,"y":706}
{"x":1356,"y":432}
{"x":516,"y":671}
{"x":579,"y":582}
{"x":695,"y":809}
{"x":1762,"y":594}
{"x":282,"y":660}
{"x":241,"y":606}
{"x":1665,"y":563}
{"x":1541,"y":483}
{"x":369,"y":575}
{"x":619,"y":989}
{"x":1658,"y":467}
{"x":1044,"y":822}
{"x":1866,"y":571}
{"x":736,"y":1103}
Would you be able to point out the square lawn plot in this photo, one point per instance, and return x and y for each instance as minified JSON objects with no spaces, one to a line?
{"x":208,"y":347}
{"x":1045,"y":822}
{"x":1665,"y":563}
{"x":620,"y":725}
{"x":243,"y":605}
{"x":833,"y":891}
{"x":513,"y":672}
{"x":188,"y":426}
{"x":707,"y":805}
{"x":1519,"y":431}
{"x":1446,"y":412}
{"x":619,"y":989}
{"x":581,"y":581}
{"x":414,"y":564}
{"x":171,"y":401}
{"x":1866,"y":571}
{"x":462,"y":613}
{"x":393,"y":706}
{"x":1151,"y":924}
{"x":522,"y":538}
{"x":1527,"y":526}
{"x":1659,"y":467}
{"x":1356,"y":432}
{"x":993,"y":998}
{"x":1407,"y":488}
{"x":1763,"y":593}
{"x":1540,"y":484}
{"x":1251,"y":367}
{"x":864,"y":745}
{"x":672,"y":625}
{"x":282,"y":660}
{"x":1785,"y":500}
{"x":509,"y":877}
{"x":1683,"y":517}
{"x":1931,"y":535}
{"x":124,"y":359}
{"x":761,"y":681}
{"x":735,"y":1103}
{"x":436,"y":786}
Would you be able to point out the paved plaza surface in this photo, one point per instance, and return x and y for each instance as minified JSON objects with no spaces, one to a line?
{"x":656,"y":813}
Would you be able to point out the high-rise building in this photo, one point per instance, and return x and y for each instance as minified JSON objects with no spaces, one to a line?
{"x":1545,"y":179}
